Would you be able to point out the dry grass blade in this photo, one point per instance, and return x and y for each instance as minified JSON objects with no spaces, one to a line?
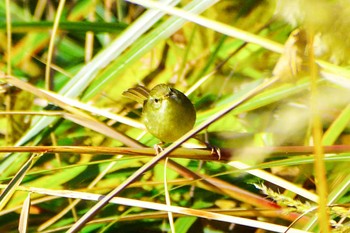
{"x":101,"y":128}
{"x":79,"y":116}
{"x":24,"y":217}
{"x":204,"y":154}
{"x":37,"y":92}
{"x":227,"y":154}
{"x":167,"y":198}
{"x":164,"y":207}
{"x":97,"y":111}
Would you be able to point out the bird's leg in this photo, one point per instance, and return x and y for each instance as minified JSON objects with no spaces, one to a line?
{"x":158,"y":147}
{"x":214,"y":150}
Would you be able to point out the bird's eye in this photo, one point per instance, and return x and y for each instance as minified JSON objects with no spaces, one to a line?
{"x":172,"y":93}
{"x":156,"y":100}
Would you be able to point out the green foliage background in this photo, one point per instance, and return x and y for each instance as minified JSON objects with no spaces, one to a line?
{"x":102,"y":48}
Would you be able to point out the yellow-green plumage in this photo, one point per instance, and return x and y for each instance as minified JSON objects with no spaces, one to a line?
{"x":167,"y":113}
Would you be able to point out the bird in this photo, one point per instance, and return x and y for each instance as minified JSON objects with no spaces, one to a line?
{"x":167,"y":113}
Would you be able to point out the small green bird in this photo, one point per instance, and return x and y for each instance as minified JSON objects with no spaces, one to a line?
{"x":167,"y":113}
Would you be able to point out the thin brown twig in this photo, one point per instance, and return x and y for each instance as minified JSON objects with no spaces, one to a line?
{"x":227,"y":154}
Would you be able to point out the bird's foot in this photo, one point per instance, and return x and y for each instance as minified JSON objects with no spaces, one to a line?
{"x":215,"y":151}
{"x":158,"y":148}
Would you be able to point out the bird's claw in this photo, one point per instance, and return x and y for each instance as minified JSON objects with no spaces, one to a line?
{"x":158,"y":148}
{"x":215,"y":151}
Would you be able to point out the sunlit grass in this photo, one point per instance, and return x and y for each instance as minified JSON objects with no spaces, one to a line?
{"x":64,"y":104}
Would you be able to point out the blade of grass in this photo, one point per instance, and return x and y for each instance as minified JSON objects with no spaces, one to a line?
{"x":16,"y":180}
{"x":163,"y":207}
{"x":78,"y":117}
{"x":167,"y":197}
{"x":9,"y":37}
{"x":98,"y":111}
{"x":8,"y":66}
{"x":24,"y":217}
{"x":319,"y":166}
{"x":183,"y":224}
{"x":71,"y":26}
{"x":48,"y":81}
{"x":27,"y":47}
{"x":337,"y":127}
{"x":16,"y":11}
{"x":101,"y":128}
{"x":227,"y":154}
{"x":300,"y":160}
{"x":37,"y":92}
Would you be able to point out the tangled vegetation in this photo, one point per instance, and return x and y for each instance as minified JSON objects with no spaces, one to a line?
{"x":270,"y":147}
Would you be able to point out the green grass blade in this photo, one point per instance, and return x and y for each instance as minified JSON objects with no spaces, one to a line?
{"x":75,"y":27}
{"x":15,"y":182}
